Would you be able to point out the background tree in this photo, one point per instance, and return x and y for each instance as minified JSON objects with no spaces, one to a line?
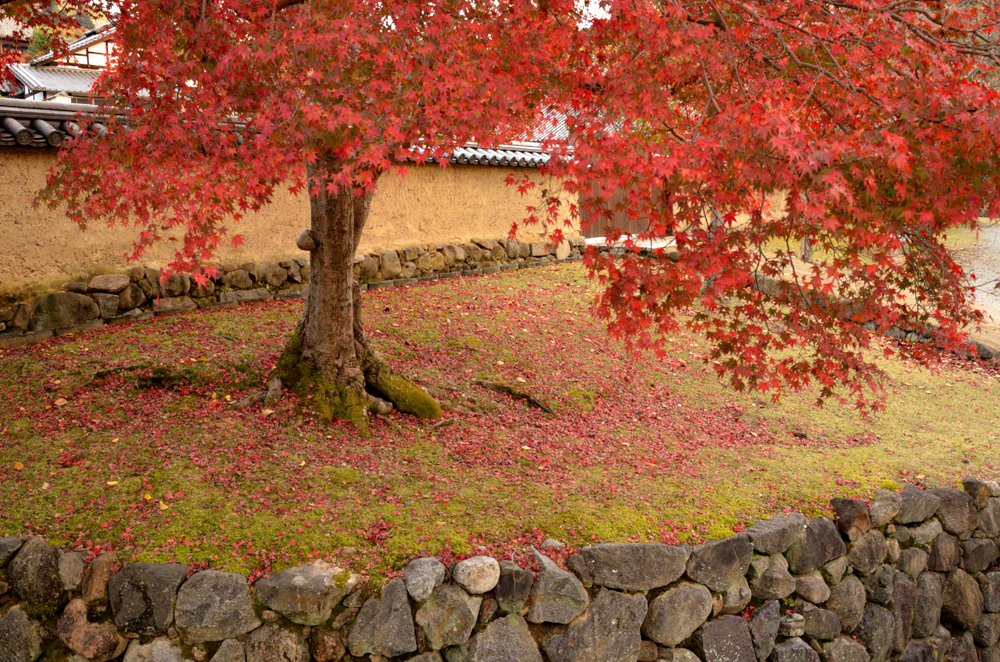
{"x":863,"y":129}
{"x":868,"y":119}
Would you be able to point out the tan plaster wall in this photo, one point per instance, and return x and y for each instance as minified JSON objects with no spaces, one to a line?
{"x":40,"y":249}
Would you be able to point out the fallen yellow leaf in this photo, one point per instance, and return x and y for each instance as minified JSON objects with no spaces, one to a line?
{"x":115,"y":440}
{"x":60,"y":402}
{"x":267,"y":412}
{"x":302,"y":463}
{"x":163,"y":506}
{"x":112,"y":483}
{"x":520,"y":380}
{"x":18,"y":466}
{"x":147,"y":496}
{"x":228,"y":398}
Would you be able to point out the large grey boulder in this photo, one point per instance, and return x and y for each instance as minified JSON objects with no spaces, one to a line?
{"x":514,"y":587}
{"x":812,"y":587}
{"x":271,"y":643}
{"x":978,"y":554}
{"x":142,"y":596}
{"x":477,"y":575}
{"x":630,"y":567}
{"x":904,"y":601}
{"x":8,"y":547}
{"x":305,"y":594}
{"x":867,"y":553}
{"x":557,"y":595}
{"x":676,"y":613}
{"x":987,"y":632}
{"x":384,"y":626}
{"x":735,"y":600}
{"x":923,"y":534}
{"x":109,"y":283}
{"x":720,"y":563}
{"x":608,"y":632}
{"x":422,"y":576}
{"x":794,"y":650}
{"x":945,"y":553}
{"x":961,"y":600}
{"x":20,"y":637}
{"x":989,"y":519}
{"x":238,"y":280}
{"x":764,"y":628}
{"x":989,"y":583}
{"x":57,"y":310}
{"x":131,"y":297}
{"x":177,"y":285}
{"x":847,"y":601}
{"x":34,"y":576}
{"x":845,"y":649}
{"x":820,"y":624}
{"x":448,"y":616}
{"x":875,"y":631}
{"x":916,"y":504}
{"x":884,"y":507}
{"x":504,"y":640}
{"x":879,"y":585}
{"x":776,"y":535}
{"x":927,"y":609}
{"x":212,"y":606}
{"x":912,"y":561}
{"x":769,"y":578}
{"x":107,"y":304}
{"x":957,"y":511}
{"x":726,"y":639}
{"x":820,"y":542}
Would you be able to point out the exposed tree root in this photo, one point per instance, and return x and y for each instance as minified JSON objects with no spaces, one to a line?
{"x":351,"y":401}
{"x":515,"y":393}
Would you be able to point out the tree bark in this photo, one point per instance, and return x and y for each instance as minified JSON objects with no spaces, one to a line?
{"x":329,"y":361}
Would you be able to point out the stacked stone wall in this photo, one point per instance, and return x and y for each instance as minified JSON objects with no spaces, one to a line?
{"x":910,"y":577}
{"x":142,"y":292}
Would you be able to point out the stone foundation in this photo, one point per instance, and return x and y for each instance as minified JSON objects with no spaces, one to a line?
{"x":912,"y":576}
{"x":141,"y":293}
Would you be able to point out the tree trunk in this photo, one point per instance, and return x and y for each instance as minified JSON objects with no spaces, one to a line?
{"x":329,"y":361}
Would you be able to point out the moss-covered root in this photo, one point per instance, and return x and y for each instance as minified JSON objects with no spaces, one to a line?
{"x":402,"y":393}
{"x":327,"y":399}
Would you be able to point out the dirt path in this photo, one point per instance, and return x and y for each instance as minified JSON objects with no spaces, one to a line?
{"x":983,"y":259}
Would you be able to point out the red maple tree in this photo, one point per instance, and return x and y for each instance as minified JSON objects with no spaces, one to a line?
{"x":865,"y":128}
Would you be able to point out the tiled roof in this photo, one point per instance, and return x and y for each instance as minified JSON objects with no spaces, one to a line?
{"x":522,"y":154}
{"x":55,"y":79}
{"x":39,"y":119}
{"x":92,"y":37}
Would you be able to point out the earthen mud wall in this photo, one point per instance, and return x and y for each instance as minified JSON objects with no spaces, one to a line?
{"x":42,"y":249}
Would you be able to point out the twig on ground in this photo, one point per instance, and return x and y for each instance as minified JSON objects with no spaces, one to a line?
{"x":515,"y":393}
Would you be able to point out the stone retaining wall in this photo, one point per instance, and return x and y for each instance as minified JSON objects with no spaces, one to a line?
{"x":140,"y":293}
{"x":912,"y":577}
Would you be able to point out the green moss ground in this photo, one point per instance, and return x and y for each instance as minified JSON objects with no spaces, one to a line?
{"x":640,"y":449}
